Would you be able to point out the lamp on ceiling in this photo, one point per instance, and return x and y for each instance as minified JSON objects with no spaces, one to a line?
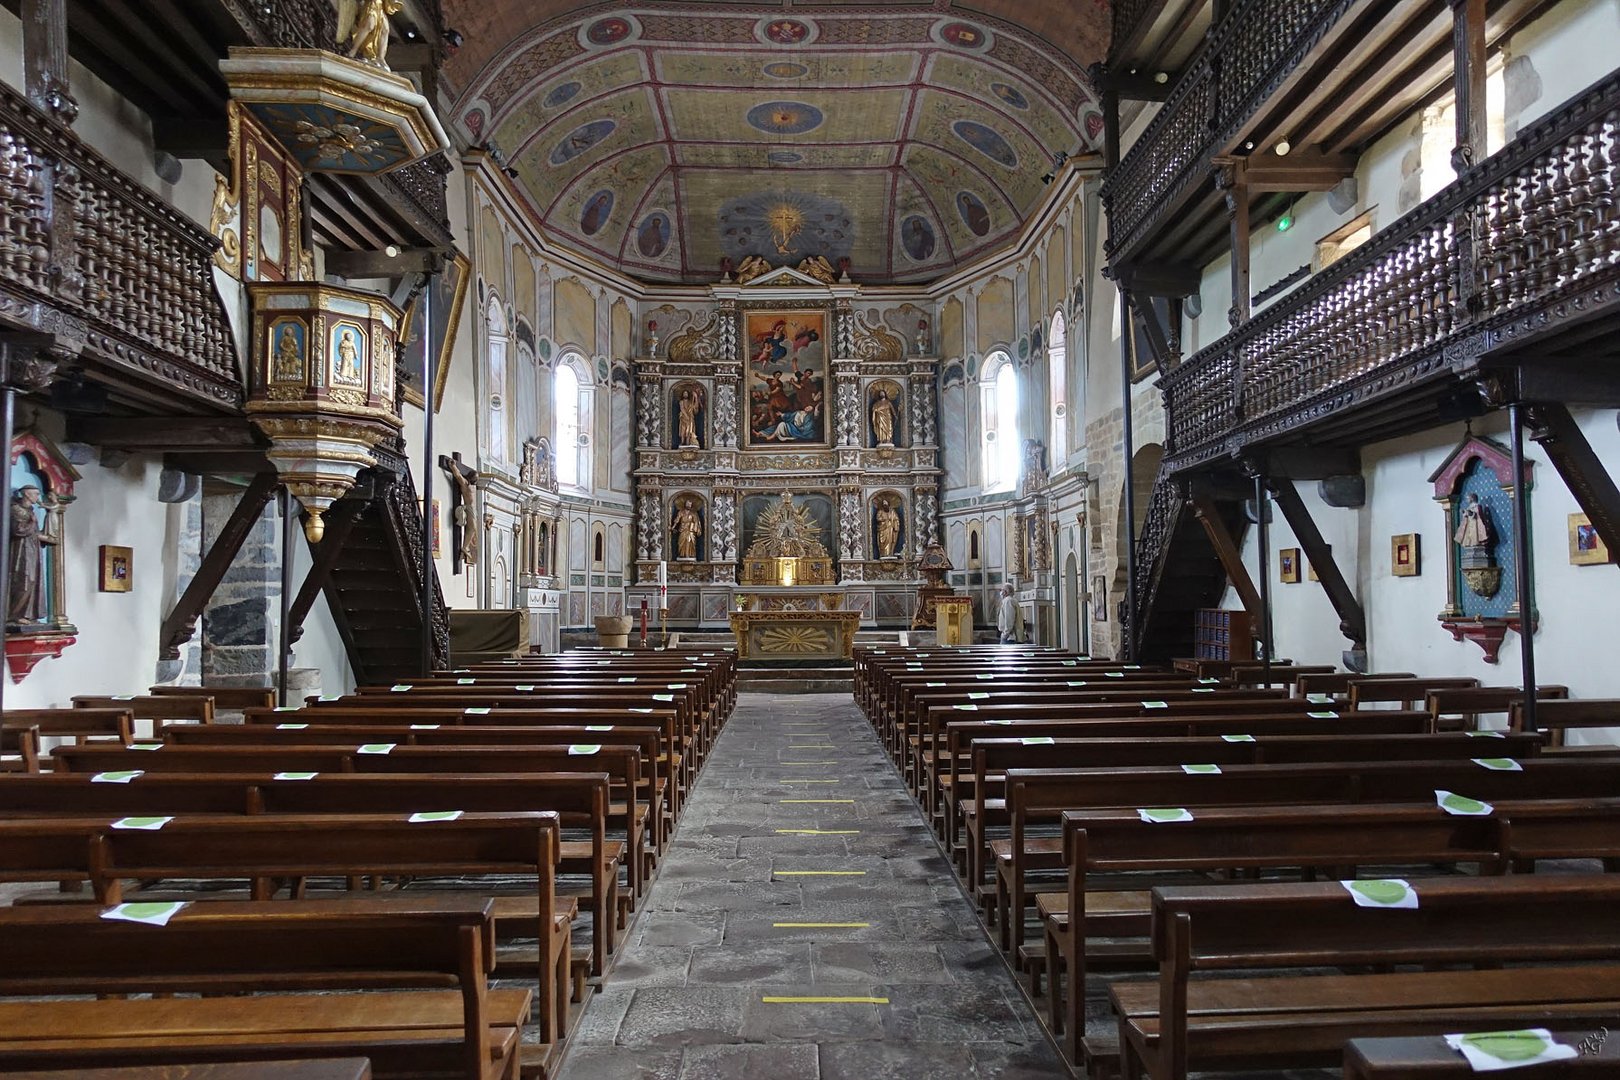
{"x":1058,"y":161}
{"x":453,"y":39}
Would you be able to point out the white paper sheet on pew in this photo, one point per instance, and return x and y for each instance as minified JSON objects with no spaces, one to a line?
{"x":601,"y":727}
{"x":423,"y":817}
{"x":978,"y":695}
{"x":1164,"y":815}
{"x":480,"y":710}
{"x":123,"y":776}
{"x":424,"y":727}
{"x":399,"y":688}
{"x":1498,"y":764}
{"x":142,"y":824}
{"x":1461,"y":805}
{"x":1490,"y":1051}
{"x":291,"y":727}
{"x":295,"y":776}
{"x":1237,"y":738}
{"x":150,"y":914}
{"x":1382,"y":893}
{"x":375,"y":748}
{"x":584,"y":749}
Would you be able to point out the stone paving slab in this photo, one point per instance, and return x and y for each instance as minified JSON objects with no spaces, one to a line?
{"x":724,"y":929}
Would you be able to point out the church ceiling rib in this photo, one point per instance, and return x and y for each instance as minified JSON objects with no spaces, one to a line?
{"x":666,"y":139}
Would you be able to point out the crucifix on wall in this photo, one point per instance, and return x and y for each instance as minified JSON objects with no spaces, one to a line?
{"x":464,"y":515}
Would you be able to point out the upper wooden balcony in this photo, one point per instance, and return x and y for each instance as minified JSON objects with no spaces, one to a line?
{"x":1515,"y":263}
{"x":1329,"y":76}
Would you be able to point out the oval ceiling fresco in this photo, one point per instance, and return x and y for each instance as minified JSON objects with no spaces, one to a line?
{"x":663,"y":138}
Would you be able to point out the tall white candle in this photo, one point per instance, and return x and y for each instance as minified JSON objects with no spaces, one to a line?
{"x":663,"y":574}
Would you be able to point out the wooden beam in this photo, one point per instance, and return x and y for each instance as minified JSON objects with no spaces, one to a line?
{"x":1231,"y":178}
{"x":163,"y":434}
{"x":1312,"y":462}
{"x":380,"y":264}
{"x":1570,"y":382}
{"x":1231,"y":557}
{"x":1352,"y":619}
{"x":45,"y":58}
{"x":340,"y":521}
{"x":1583,"y":471}
{"x":1301,"y":170}
{"x":1158,"y":278}
{"x":181,"y":622}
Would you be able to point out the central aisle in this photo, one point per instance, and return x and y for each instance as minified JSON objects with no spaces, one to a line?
{"x":803,"y":870}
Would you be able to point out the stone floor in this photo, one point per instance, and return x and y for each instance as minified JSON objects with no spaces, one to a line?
{"x":730,"y":926}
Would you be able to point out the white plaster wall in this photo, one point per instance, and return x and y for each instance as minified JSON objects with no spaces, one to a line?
{"x":320,"y":647}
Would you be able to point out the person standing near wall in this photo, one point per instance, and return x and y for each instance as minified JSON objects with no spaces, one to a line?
{"x":1007,"y":615}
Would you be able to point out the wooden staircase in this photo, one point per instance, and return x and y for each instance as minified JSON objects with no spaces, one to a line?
{"x":1178,"y":569}
{"x":372,"y":588}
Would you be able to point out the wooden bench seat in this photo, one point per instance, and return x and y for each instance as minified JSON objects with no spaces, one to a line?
{"x":313,"y":1069}
{"x":1180,"y":1022}
{"x":462,"y":1029}
{"x":1422,"y":1057}
{"x":1558,"y":717}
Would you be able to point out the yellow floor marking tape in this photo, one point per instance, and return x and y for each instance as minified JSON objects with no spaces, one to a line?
{"x":810,"y":782}
{"x":818,"y":873}
{"x":807,"y":762}
{"x":814,"y":800}
{"x":821,"y":832}
{"x":825,"y":1000}
{"x":821,"y":925}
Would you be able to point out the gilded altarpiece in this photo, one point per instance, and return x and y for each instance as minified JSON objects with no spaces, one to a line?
{"x":784,"y":390}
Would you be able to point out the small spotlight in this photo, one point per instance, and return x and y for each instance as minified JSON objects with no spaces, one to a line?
{"x":1047,"y":178}
{"x":1282,"y":147}
{"x":453,"y":38}
{"x":1248,"y":146}
{"x":1161,"y":77}
{"x":392,"y":251}
{"x":411,"y":34}
{"x":509,"y":171}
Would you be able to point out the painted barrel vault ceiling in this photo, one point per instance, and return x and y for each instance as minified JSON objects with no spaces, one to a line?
{"x":661,"y":139}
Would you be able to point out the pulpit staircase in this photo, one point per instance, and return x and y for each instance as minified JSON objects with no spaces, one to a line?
{"x":1178,"y":570}
{"x":372,"y":588}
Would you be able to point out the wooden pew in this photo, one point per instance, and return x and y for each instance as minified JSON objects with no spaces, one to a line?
{"x":262,"y":849}
{"x":232,"y":698}
{"x":1469,"y":703}
{"x":19,"y":749}
{"x":457,"y":1028}
{"x":312,"y":1069}
{"x":1408,"y":693}
{"x":580,"y":800}
{"x":1558,"y":717}
{"x":77,"y":725}
{"x":1253,"y":673}
{"x":1110,"y":843}
{"x":1337,"y":683}
{"x":1428,"y":1057}
{"x":158,"y":709}
{"x":1180,"y":1022}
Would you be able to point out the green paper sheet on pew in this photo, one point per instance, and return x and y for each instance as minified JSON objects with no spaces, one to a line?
{"x":967,"y":708}
{"x":1324,"y":714}
{"x":422,"y":818}
{"x":142,"y":824}
{"x":477,"y":710}
{"x":1498,"y":764}
{"x":627,"y":678}
{"x":1490,"y":1051}
{"x":1155,"y":704}
{"x":663,"y":697}
{"x":1485,"y":734}
{"x":1037,"y":740}
{"x":1071,"y":663}
{"x":1201,"y":770}
{"x":122,"y":697}
{"x":932,"y":685}
{"x":288,"y":708}
{"x":149,"y":913}
{"x":643,"y":711}
{"x":295,"y":776}
{"x":1203,"y":689}
{"x":527,"y":688}
{"x":122,"y":776}
{"x":978,"y":695}
{"x":1209,"y":682}
{"x":1319,"y":699}
{"x":1114,"y":674}
{"x":1077,"y":682}
{"x":375,"y":748}
{"x":598,"y":727}
{"x":466,"y":682}
{"x":984,"y":675}
{"x":146,"y":746}
{"x":399,"y":688}
{"x":1382,"y":893}
{"x":291,"y":727}
{"x":676,"y":686}
{"x":1000,"y":723}
{"x":1164,"y":815}
{"x":1237,"y":738}
{"x":584,"y":749}
{"x":1461,"y":805}
{"x":330,"y":697}
{"x":424,"y":727}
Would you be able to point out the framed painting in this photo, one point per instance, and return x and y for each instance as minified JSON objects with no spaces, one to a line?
{"x":1288,"y":566}
{"x":449,"y":295}
{"x":1405,"y":560}
{"x":117,"y":568}
{"x":1586,"y":547}
{"x":787,"y":377}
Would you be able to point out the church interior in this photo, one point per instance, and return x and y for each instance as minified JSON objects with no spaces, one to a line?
{"x":694,"y":540}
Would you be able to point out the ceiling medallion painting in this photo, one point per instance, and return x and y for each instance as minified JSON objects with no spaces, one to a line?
{"x":664,"y":140}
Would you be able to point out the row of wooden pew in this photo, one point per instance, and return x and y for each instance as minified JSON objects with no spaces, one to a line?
{"x":496,"y":823}
{"x":1203,"y":821}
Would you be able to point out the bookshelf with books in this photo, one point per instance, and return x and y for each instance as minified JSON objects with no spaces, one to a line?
{"x":1219,"y":634}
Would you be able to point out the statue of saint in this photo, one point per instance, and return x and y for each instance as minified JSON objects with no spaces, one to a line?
{"x":363,"y":25}
{"x":464,"y":518}
{"x":888,"y":529}
{"x":686,"y":421}
{"x":529,"y":471}
{"x":1475,"y":530}
{"x":883,"y":419}
{"x":27,"y":558}
{"x":348,"y":365}
{"x":687,"y":526}
{"x":289,"y":358}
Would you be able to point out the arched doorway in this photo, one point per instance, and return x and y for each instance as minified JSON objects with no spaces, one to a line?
{"x":1070,"y":600}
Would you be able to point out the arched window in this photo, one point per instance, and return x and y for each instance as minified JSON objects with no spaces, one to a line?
{"x":998,"y":414}
{"x":495,"y":321}
{"x":1057,"y":367}
{"x":571,"y":408}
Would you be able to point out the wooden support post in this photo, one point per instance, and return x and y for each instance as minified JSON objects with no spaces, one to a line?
{"x":340,"y":521}
{"x":1468,"y":64}
{"x":1352,"y":619}
{"x":1226,"y":550}
{"x":1263,"y":538}
{"x":1129,"y":623}
{"x":1523,"y":566}
{"x":45,"y":58}
{"x":1583,"y":471}
{"x":1231,"y":177}
{"x":181,"y":622}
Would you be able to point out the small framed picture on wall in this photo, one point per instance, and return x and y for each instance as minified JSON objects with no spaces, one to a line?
{"x":1404,"y":557}
{"x":1288,"y":566}
{"x":117,"y":568}
{"x":1586,"y":547}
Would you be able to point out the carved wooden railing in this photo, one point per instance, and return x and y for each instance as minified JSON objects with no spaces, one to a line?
{"x":288,"y":24}
{"x":422,"y":185}
{"x":402,"y":519}
{"x":1126,"y":15}
{"x":1241,"y":62}
{"x":89,"y":254}
{"x":1530,"y":229}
